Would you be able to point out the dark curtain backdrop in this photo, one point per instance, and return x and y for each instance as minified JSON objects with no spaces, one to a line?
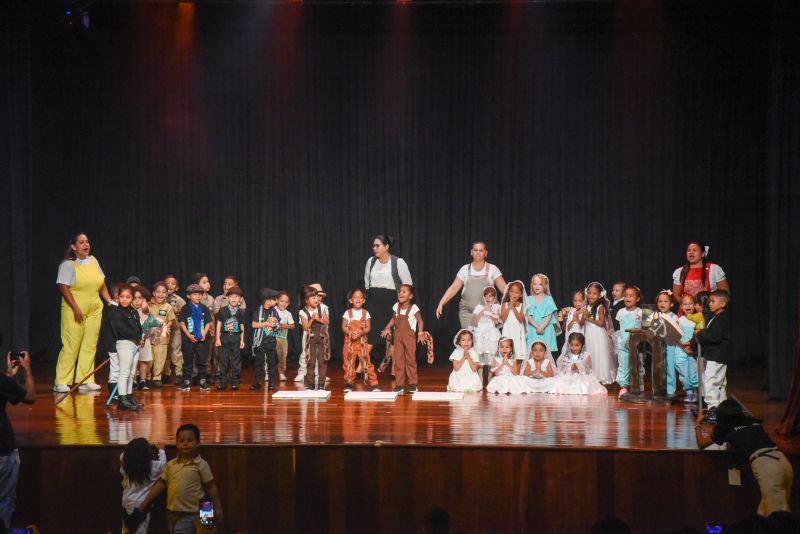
{"x":588,"y":141}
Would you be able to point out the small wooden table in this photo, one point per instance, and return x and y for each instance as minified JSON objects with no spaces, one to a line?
{"x":636,"y":390}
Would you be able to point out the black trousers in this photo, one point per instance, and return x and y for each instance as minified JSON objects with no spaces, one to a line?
{"x":230,"y":357}
{"x":195,"y":357}
{"x":266,"y":355}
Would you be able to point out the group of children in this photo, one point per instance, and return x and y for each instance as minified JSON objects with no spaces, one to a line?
{"x":516,"y":340}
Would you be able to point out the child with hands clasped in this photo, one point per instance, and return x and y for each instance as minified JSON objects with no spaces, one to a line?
{"x":597,"y":329}
{"x":541,"y":313}
{"x":406,"y":321}
{"x":574,"y":317}
{"x":575,"y":370}
{"x":538,"y":370}
{"x":229,"y":340}
{"x":265,"y":326}
{"x":485,"y":323}
{"x":464,"y":376}
{"x":186,"y":478}
{"x":512,"y":314}
{"x":356,"y":324}
{"x":506,"y":371}
{"x":140,"y":471}
{"x":629,"y":317}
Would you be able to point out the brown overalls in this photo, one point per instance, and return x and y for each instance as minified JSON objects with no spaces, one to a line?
{"x":357,"y":350}
{"x":404,"y":359}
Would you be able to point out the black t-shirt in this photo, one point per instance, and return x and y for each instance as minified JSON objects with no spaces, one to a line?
{"x":11,"y":392}
{"x":232,"y":323}
{"x":185,"y":317}
{"x":747,"y":438}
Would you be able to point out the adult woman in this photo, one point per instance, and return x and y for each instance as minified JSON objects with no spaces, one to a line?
{"x":384,"y":273}
{"x":697,"y":274}
{"x":770,"y":467}
{"x":80,"y":279}
{"x":471,"y":280}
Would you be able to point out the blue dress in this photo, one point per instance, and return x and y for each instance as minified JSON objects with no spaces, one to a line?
{"x":539,"y":312}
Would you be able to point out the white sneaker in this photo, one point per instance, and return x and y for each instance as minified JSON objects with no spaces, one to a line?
{"x":300,"y":378}
{"x":91,"y":386}
{"x":61,"y":388}
{"x":283,"y":377}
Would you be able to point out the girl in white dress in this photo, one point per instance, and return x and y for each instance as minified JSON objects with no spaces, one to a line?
{"x":538,"y":370}
{"x":485,"y":322}
{"x":506,"y":371}
{"x":598,"y":328}
{"x":575,"y":370}
{"x":465,"y":364}
{"x":512,"y":313}
{"x":573,"y":317}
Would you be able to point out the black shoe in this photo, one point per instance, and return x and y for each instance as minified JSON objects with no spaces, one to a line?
{"x":143,"y":385}
{"x":255,"y":387}
{"x":412,"y":388}
{"x":398,"y":390}
{"x":222,"y":387}
{"x":310,"y":387}
{"x":271,"y":387}
{"x":135,"y":402}
{"x":157,"y":384}
{"x":184,"y":386}
{"x":348,"y":388}
{"x":124,"y":403}
{"x":204,"y":386}
{"x":235,"y":387}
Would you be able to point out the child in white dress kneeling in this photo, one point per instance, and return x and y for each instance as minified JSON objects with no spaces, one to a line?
{"x":539,"y":370}
{"x":465,"y":364}
{"x":506,"y":372}
{"x":575,"y":370}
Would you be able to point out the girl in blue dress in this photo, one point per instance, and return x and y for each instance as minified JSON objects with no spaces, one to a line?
{"x":541,"y":313}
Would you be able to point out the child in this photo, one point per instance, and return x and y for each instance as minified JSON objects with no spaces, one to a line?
{"x":575,"y":370}
{"x":464,"y":376}
{"x":406,"y":321}
{"x":127,"y":330}
{"x":207,"y":300}
{"x":617,"y":292}
{"x":286,"y":324}
{"x":597,"y":330}
{"x":539,"y":369}
{"x":485,"y":322}
{"x":195,"y":320}
{"x":574,"y":317}
{"x":220,"y":301}
{"x":506,"y":373}
{"x":186,"y":478}
{"x":512,"y":313}
{"x":163,"y":311}
{"x":230,"y":339}
{"x":686,"y":364}
{"x":715,"y":341}
{"x":145,"y":356}
{"x":316,"y":341}
{"x":176,"y":336}
{"x":265,"y":333}
{"x":629,"y":317}
{"x":356,"y":325}
{"x":323,"y":308}
{"x":541,"y":313}
{"x":140,"y":471}
{"x":664,"y":304}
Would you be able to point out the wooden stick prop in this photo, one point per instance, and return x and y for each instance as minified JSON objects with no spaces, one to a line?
{"x":85,"y":378}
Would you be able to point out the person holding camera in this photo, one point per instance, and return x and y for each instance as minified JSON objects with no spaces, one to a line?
{"x":11,"y":391}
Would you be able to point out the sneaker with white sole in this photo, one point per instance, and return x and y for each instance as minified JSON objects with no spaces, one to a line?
{"x":61,"y":388}
{"x":91,"y":386}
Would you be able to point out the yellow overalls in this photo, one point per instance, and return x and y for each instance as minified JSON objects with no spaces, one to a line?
{"x":80,"y":339}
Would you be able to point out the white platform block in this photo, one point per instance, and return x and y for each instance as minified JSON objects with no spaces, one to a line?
{"x":380,"y":396}
{"x":437,"y":396}
{"x":305,"y":394}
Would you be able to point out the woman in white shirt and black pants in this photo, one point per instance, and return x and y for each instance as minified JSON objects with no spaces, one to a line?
{"x":383,"y":275}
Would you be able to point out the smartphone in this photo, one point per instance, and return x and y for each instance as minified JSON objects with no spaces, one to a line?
{"x":15,"y":357}
{"x":715,"y":528}
{"x":20,"y":531}
{"x":207,"y":513}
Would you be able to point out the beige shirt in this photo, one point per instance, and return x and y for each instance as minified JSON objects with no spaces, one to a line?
{"x":185,"y":483}
{"x":163,"y":312}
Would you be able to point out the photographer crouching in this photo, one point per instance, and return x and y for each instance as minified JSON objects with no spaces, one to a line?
{"x":11,"y":391}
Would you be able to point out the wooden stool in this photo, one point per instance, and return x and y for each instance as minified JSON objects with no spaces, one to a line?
{"x":636,"y":390}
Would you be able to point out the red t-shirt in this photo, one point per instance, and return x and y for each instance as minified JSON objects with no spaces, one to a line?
{"x":693,"y":284}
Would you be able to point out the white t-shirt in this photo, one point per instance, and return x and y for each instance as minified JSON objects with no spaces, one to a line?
{"x":66,"y":271}
{"x":715,"y":276}
{"x":381,"y":275}
{"x":285,"y":318}
{"x":412,"y":314}
{"x":493,"y":272}
{"x":357,"y":315}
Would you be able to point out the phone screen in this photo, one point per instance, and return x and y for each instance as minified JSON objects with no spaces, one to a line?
{"x":715,"y":528}
{"x":206,"y":512}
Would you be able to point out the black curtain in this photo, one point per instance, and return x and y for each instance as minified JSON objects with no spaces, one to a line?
{"x":588,"y":141}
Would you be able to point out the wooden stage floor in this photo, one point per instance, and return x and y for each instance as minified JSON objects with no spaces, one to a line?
{"x":480,"y":420}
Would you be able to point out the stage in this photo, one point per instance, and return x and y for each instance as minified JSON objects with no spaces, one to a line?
{"x":515,"y":463}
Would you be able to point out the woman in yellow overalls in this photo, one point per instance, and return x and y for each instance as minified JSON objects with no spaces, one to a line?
{"x":80,"y":279}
